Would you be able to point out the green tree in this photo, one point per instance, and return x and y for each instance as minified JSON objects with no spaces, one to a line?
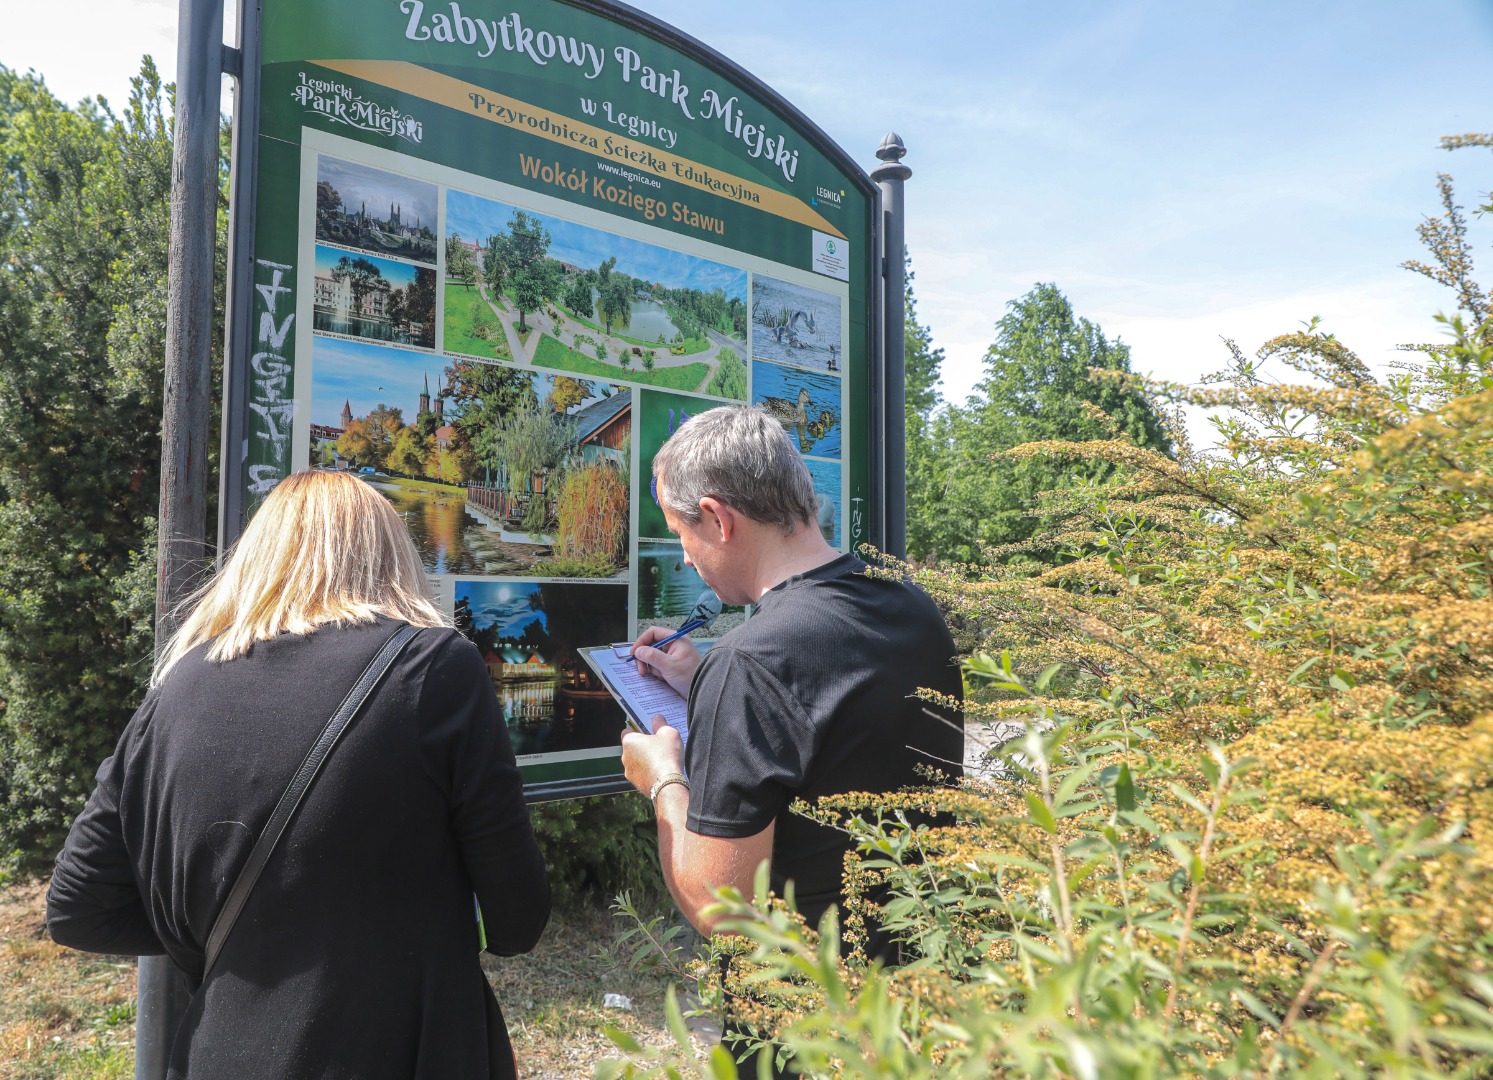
{"x":529,"y":443}
{"x":362,"y":277}
{"x":84,"y":215}
{"x":495,"y":264}
{"x":528,"y":269}
{"x":408,"y":452}
{"x":1036,"y":387}
{"x":418,"y":300}
{"x":614,"y":300}
{"x":460,"y":265}
{"x":566,"y":393}
{"x":482,"y":393}
{"x":578,"y":295}
{"x":924,"y":366}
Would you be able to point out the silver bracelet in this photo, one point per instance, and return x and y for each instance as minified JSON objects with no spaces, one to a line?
{"x":663,"y":782}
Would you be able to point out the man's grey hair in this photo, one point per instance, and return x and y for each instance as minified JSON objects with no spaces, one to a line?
{"x":741,"y":456}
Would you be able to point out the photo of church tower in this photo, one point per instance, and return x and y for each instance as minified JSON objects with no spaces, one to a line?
{"x":401,"y":222}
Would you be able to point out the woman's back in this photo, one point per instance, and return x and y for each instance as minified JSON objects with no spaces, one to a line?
{"x":356,"y":954}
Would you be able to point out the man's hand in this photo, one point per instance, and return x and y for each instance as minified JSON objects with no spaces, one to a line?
{"x":694,"y":866}
{"x":645,"y":758}
{"x":675,"y":663}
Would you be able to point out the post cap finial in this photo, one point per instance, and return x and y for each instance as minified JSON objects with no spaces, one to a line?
{"x":891,"y":148}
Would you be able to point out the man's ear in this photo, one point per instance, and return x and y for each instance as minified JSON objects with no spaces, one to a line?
{"x":720,"y":517}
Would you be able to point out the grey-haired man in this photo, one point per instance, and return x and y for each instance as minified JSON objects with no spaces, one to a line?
{"x":812,"y":696}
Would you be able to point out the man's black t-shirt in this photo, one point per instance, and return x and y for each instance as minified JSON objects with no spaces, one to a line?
{"x":813,"y":696}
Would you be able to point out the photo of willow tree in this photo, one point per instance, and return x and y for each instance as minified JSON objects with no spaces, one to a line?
{"x":544,"y":292}
{"x":494,"y":470}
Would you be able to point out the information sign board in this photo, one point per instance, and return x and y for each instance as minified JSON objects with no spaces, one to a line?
{"x":501,"y":249}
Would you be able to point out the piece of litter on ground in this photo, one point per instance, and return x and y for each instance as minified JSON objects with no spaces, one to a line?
{"x":617,"y":1001}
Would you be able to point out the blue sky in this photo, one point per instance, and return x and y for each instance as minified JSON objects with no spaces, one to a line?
{"x":506,"y":603}
{"x":474,"y":218}
{"x":367,"y":376}
{"x":1182,"y":171}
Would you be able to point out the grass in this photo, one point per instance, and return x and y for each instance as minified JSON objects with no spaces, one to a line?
{"x":462,"y":307}
{"x":554,"y":354}
{"x":66,"y":1015}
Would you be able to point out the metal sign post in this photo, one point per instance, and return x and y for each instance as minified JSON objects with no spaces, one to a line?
{"x":890,"y":175}
{"x":162,"y":993}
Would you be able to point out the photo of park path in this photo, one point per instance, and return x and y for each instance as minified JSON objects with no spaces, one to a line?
{"x":537,"y":291}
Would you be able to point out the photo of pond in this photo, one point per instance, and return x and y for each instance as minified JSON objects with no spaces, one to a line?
{"x":528,"y":633}
{"x":826,"y":476}
{"x":793,"y":324}
{"x":378,"y":299}
{"x":449,"y":540}
{"x":668,"y":590}
{"x":806,"y":403}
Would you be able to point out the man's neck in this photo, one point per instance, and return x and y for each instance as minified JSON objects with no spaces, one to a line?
{"x":783,"y":557}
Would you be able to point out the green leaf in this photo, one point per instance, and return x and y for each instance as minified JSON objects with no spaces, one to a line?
{"x":1041,"y":812}
{"x":1125,"y":790}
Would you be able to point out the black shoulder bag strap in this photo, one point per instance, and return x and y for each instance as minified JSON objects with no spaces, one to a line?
{"x":299,"y":783}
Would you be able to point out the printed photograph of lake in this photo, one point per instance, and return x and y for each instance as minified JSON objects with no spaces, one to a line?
{"x":828,"y":512}
{"x":793,"y":324}
{"x":494,"y":470}
{"x":669,"y":592}
{"x":540,"y":290}
{"x":659,"y":416}
{"x":528,"y":633}
{"x":806,"y":403}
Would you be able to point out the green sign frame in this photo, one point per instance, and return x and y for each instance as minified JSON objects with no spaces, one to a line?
{"x":489,"y":254}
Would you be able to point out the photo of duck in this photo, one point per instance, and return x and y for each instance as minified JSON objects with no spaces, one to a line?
{"x":788,"y":413}
{"x":806,"y":403}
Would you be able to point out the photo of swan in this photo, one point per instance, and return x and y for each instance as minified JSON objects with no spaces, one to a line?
{"x":793,"y":324}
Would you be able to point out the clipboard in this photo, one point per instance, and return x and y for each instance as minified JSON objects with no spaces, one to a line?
{"x":641,"y":696}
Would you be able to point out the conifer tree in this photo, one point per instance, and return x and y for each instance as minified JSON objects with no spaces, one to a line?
{"x":1036,"y":387}
{"x":84,"y":205}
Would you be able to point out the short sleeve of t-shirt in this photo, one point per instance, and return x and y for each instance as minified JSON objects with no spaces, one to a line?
{"x":749,"y":748}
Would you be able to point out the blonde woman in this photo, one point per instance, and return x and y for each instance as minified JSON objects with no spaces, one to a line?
{"x":356,"y":952}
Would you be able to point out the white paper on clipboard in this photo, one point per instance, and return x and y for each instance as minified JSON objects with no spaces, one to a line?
{"x":641,"y":696}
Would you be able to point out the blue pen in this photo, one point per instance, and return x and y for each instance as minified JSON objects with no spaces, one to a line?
{"x":693,"y":624}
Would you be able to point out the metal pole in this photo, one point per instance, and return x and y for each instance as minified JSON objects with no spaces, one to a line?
{"x":243,"y":179}
{"x":890,"y":175}
{"x":162,"y":991}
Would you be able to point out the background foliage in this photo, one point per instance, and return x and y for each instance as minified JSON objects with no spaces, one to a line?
{"x":961,"y":496}
{"x":1238,"y":820}
{"x":84,"y":202}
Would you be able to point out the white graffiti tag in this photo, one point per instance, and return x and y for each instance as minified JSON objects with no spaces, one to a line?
{"x":269,"y":394}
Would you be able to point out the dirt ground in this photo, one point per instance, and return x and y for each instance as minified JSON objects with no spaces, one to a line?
{"x":67,"y":1015}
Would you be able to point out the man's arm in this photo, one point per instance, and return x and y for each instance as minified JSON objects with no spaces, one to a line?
{"x":694,"y":866}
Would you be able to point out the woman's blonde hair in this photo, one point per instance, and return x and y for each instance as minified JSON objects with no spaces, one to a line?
{"x":324,"y":547}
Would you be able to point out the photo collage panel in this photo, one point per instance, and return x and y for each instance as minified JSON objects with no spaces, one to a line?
{"x":511,"y":417}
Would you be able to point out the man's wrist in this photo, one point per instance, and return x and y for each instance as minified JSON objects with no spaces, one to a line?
{"x":666,"y":781}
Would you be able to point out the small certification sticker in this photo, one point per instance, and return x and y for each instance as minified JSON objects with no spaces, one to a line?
{"x":832,"y":256}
